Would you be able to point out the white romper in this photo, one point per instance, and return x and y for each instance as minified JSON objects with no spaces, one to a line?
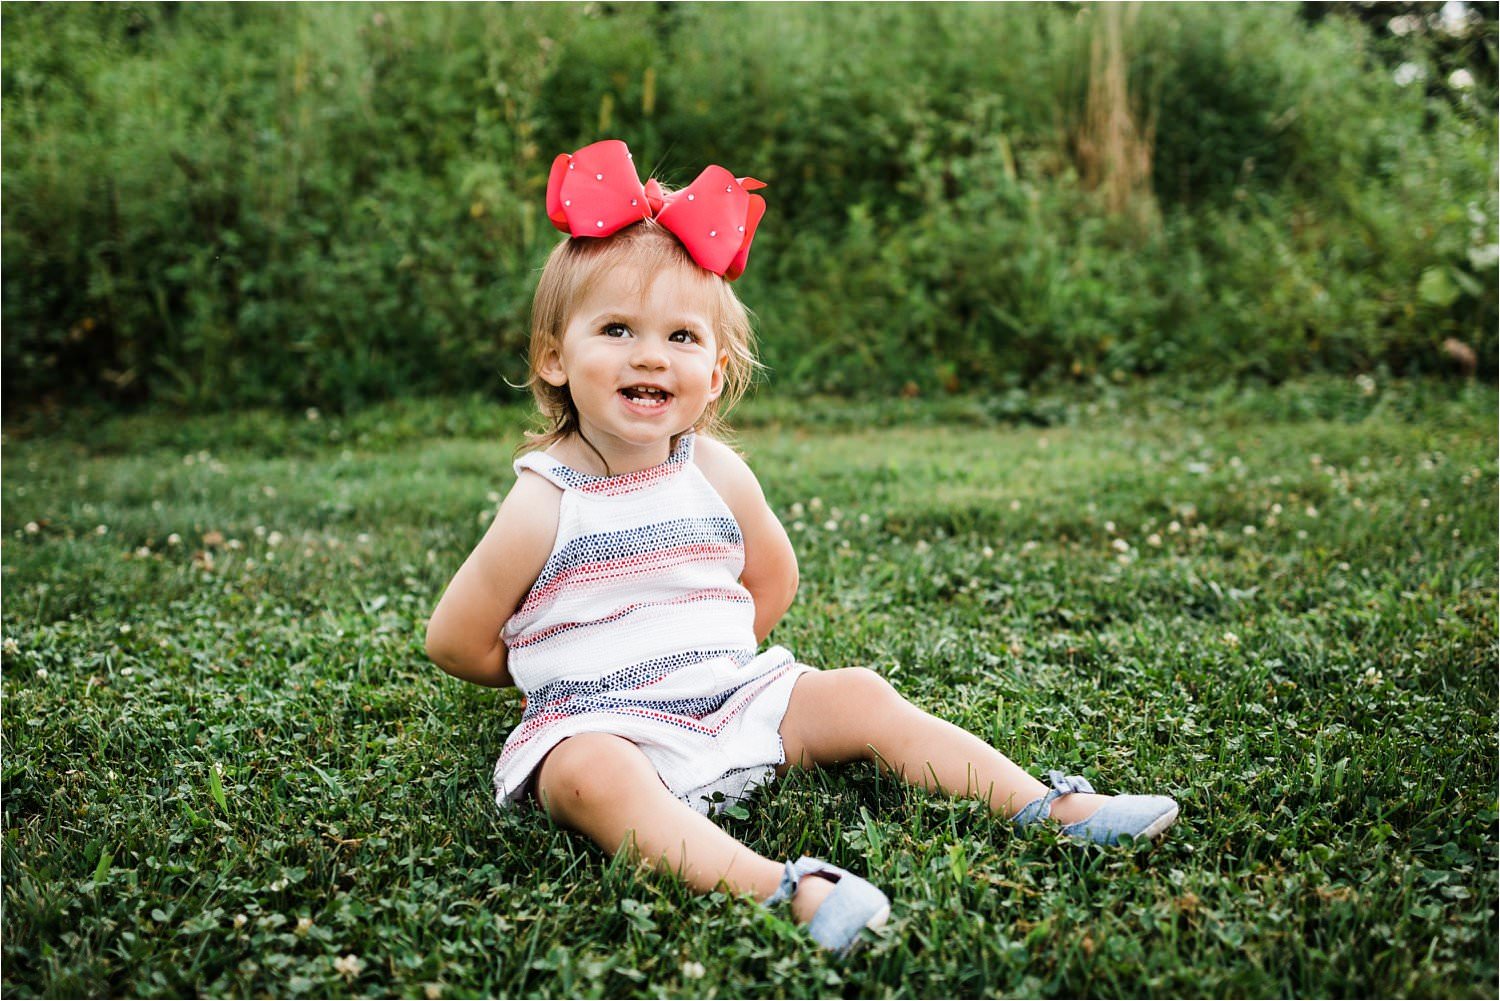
{"x":638,"y":626}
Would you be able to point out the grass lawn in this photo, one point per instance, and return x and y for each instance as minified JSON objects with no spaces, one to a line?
{"x":229,"y":770}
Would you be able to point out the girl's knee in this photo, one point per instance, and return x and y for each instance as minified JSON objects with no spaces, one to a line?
{"x":863,"y":687}
{"x":588,"y":771}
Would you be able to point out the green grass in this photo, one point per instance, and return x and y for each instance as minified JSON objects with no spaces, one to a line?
{"x":228,"y":766}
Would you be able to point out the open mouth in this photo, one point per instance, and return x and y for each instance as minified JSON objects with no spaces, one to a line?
{"x":646,"y":396}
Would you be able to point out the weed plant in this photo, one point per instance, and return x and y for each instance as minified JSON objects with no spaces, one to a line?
{"x":228,"y":769}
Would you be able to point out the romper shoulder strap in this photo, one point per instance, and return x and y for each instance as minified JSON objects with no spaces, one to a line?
{"x":547,"y":468}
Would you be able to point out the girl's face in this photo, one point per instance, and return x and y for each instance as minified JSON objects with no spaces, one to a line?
{"x":641,"y":360}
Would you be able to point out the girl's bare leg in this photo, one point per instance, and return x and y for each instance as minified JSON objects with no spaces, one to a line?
{"x":604,"y":787}
{"x":854,"y":714}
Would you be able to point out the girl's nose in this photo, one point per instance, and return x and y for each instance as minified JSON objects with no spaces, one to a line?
{"x":648,"y":355}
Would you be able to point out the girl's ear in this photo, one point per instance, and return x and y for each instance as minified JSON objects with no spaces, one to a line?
{"x":551,"y":368}
{"x":716,"y":381}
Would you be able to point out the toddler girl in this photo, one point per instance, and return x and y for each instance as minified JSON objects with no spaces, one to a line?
{"x":632,"y":572}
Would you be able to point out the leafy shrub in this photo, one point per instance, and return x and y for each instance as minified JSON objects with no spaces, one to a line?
{"x":216,"y":206}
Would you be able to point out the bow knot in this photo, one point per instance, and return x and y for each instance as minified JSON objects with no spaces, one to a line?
{"x":1065,"y":784}
{"x":597,"y":192}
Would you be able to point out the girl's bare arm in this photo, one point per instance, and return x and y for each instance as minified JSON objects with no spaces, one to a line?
{"x":463,"y":635}
{"x":770,"y":573}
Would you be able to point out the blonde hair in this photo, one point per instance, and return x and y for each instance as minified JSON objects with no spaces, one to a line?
{"x":572,"y":270}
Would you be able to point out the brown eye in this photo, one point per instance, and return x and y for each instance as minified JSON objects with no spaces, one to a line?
{"x":684,"y":337}
{"x":615,"y":330}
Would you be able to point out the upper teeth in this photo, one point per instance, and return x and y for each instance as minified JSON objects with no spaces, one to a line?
{"x":647,"y":391}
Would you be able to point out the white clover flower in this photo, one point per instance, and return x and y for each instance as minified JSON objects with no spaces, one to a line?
{"x":32,"y":528}
{"x":101,"y":530}
{"x":362,"y":538}
{"x":864,"y":519}
{"x":260,"y":531}
{"x":1120,"y":546}
{"x":1249,"y":530}
{"x":797,"y":510}
{"x":1366,"y":384}
{"x":816,"y":503}
{"x":1109,"y":527}
{"x":304,"y":925}
{"x":1153,"y":539}
{"x":349,"y":965}
{"x":1174,"y":527}
{"x":987,"y":552}
{"x":1231,"y":640}
{"x":143,"y":552}
{"x":1029,"y":545}
{"x":1015,"y":505}
{"x":693,"y":970}
{"x":830,"y":525}
{"x":1403,"y":24}
{"x":10,"y":647}
{"x":312,"y":414}
{"x":240,"y":921}
{"x":1454,"y":17}
{"x":174,"y":539}
{"x":798,"y":526}
{"x":274,"y":539}
{"x":1408,"y":73}
{"x":41,"y":673}
{"x":1373,"y":677}
{"x":1312,"y":512}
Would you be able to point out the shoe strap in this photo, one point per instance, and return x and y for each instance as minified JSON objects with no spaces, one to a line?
{"x":1062,"y":785}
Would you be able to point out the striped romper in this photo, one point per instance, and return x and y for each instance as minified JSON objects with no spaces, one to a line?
{"x":638,"y":626}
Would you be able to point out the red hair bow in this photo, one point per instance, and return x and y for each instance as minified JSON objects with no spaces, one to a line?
{"x":597,"y":192}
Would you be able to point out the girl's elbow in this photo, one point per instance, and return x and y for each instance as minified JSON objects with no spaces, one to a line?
{"x":434,"y":647}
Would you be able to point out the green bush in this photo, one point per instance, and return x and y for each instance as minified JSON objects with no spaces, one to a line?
{"x":211,"y":206}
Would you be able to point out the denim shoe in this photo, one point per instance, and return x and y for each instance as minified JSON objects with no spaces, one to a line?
{"x":1138,"y":817}
{"x":853,"y":906}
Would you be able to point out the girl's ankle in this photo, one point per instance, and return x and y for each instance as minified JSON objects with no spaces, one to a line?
{"x":811,"y":892}
{"x":1076,"y":806}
